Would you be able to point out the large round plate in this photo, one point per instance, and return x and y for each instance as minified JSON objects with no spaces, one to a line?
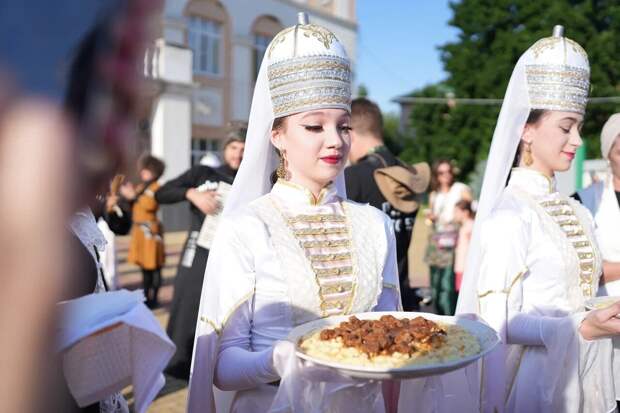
{"x":486,"y":336}
{"x":596,"y":303}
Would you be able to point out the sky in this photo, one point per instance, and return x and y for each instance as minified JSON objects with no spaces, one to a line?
{"x":397,"y":46}
{"x":397,"y":42}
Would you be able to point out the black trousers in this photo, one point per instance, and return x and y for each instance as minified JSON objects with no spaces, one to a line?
{"x":151,"y":281}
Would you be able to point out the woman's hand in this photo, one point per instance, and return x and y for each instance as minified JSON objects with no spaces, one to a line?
{"x":206,"y":201}
{"x":601,"y":323}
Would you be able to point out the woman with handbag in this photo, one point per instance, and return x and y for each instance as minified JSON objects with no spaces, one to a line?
{"x":440,"y":252}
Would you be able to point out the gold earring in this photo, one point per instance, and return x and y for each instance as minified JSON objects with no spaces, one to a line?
{"x":281,"y":171}
{"x":527,"y":154}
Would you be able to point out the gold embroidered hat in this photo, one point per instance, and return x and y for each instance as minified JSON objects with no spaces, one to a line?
{"x":308,"y":69}
{"x":558,"y":74}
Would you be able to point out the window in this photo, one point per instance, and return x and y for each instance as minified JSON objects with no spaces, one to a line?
{"x":205,"y":40}
{"x":200,"y":147}
{"x":260,"y":47}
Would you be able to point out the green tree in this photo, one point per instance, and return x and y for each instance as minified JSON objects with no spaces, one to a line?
{"x":362,"y":91}
{"x":492,"y":36}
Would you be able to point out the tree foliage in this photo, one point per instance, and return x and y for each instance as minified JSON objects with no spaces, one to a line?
{"x":492,"y":36}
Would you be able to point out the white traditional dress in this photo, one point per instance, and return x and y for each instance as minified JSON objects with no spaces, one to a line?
{"x":539,"y":264}
{"x":285,"y":260}
{"x":282,"y":257}
{"x":533,"y":261}
{"x":600,"y":198}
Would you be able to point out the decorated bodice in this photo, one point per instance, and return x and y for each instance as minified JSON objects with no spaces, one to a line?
{"x":562,"y":262}
{"x":325,"y":257}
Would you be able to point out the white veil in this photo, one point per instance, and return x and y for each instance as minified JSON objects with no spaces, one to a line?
{"x":512,"y":117}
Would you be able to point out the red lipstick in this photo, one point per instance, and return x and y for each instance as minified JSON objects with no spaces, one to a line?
{"x":570,"y":155}
{"x":332,"y":159}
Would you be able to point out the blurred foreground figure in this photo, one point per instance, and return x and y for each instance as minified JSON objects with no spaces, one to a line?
{"x":49,"y":243}
{"x":34,"y":187}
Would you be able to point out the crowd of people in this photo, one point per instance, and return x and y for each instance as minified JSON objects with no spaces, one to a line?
{"x":310,"y":215}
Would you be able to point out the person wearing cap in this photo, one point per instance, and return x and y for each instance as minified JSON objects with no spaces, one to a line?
{"x":534,"y":260}
{"x":290,"y":247}
{"x":379,"y":178}
{"x":197,"y":185}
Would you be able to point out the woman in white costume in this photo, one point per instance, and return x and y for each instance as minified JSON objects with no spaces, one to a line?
{"x":297,"y":251}
{"x":602,"y":198}
{"x":533,"y":260}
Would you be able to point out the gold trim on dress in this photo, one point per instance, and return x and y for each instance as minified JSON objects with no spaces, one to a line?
{"x":320,"y":231}
{"x":311,"y":219}
{"x":505,"y":290}
{"x":330,"y":257}
{"x":330,"y":272}
{"x":218,"y":330}
{"x":326,"y":243}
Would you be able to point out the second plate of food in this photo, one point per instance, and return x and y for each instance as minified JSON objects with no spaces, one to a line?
{"x":382,"y":345}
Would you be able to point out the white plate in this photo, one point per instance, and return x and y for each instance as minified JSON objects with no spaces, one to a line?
{"x":486,"y":336}
{"x":596,"y":303}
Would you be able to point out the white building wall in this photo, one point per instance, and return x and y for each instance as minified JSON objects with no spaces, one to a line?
{"x":171,"y":132}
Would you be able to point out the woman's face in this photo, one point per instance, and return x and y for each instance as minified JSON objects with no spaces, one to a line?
{"x":444,"y":174}
{"x":554,"y":141}
{"x":614,"y":157}
{"x":316,"y":144}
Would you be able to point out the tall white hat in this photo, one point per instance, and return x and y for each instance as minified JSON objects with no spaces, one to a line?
{"x":305,"y":68}
{"x":558,"y":74}
{"x":308,"y":68}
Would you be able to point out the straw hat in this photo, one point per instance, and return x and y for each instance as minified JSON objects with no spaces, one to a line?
{"x":400,"y":185}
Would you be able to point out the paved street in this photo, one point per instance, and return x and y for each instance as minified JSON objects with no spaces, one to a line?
{"x":172,"y":398}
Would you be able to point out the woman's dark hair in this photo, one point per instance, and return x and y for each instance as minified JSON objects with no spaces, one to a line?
{"x":465,"y":205}
{"x":434,"y":173}
{"x":155,"y":165}
{"x":278,"y":123}
{"x":533,"y":118}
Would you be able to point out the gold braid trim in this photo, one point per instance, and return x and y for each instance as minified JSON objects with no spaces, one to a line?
{"x":505,"y":291}
{"x":218,"y":330}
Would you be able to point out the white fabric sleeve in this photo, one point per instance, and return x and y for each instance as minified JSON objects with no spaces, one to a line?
{"x":238,"y":367}
{"x":389,"y":299}
{"x":532,"y":330}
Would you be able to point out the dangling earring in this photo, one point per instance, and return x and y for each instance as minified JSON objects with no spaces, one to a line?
{"x":281,"y":171}
{"x":527,"y":154}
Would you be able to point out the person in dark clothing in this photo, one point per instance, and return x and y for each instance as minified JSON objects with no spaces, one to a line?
{"x":368,"y":154}
{"x":197,"y":186}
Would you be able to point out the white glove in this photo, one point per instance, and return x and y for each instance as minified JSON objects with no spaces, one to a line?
{"x":308,"y":387}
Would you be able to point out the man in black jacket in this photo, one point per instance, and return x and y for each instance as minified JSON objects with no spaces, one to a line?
{"x":368,"y":153}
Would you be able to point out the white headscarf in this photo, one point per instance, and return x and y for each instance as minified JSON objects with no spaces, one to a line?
{"x":610,"y":132}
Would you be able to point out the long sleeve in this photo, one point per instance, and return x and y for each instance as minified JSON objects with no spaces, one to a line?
{"x":504,"y":243}
{"x":238,"y":367}
{"x":174,"y":190}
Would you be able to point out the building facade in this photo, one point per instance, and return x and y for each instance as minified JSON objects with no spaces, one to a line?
{"x":201,"y":72}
